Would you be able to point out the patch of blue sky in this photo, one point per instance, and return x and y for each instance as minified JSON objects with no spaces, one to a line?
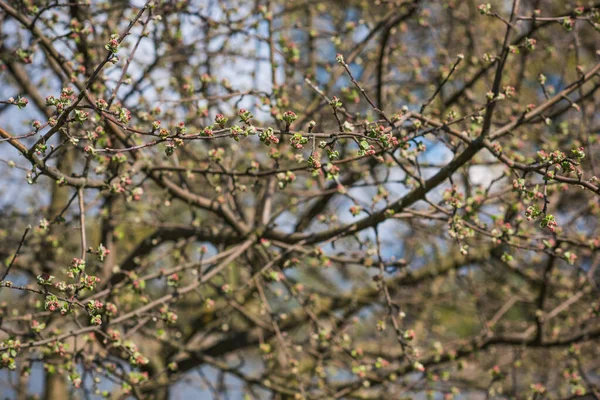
{"x":194,"y":386}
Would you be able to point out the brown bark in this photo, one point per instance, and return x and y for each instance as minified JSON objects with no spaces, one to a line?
{"x":55,"y":383}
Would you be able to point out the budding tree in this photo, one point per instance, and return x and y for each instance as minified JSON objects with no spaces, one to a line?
{"x":299,"y":199}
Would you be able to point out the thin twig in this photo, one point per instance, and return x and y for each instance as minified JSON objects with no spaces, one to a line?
{"x":16,"y":253}
{"x":82,"y":224}
{"x":439,"y":88}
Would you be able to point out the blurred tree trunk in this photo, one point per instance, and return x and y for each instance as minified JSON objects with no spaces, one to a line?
{"x":23,"y":384}
{"x":55,"y":383}
{"x":55,"y":387}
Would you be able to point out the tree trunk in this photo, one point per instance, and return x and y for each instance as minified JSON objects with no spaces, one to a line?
{"x":55,"y":387}
{"x":55,"y":383}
